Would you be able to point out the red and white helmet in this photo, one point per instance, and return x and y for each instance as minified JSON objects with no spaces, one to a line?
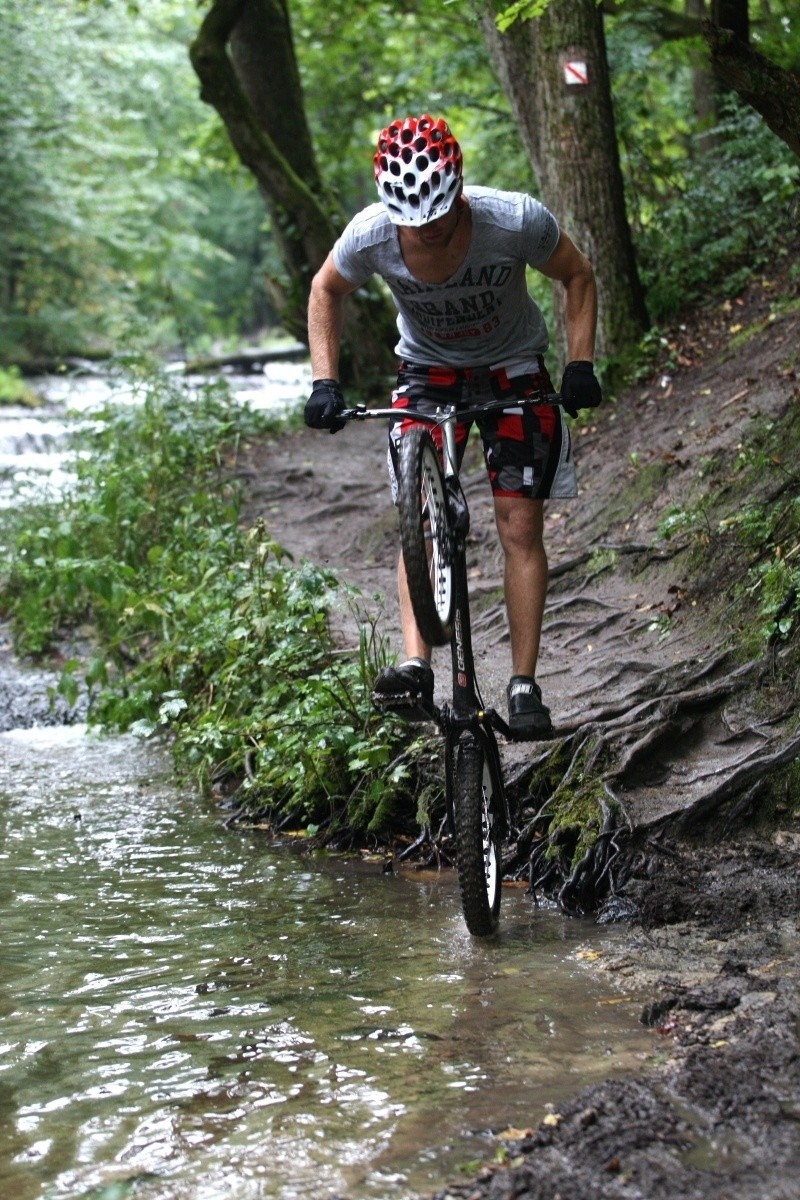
{"x":418,"y":169}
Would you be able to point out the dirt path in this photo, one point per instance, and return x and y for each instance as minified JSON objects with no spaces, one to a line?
{"x":632,"y":655}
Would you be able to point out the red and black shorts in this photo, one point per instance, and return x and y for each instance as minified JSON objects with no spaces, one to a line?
{"x":527,"y":450}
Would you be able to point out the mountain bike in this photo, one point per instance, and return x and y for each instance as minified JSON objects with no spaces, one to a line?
{"x":434,"y":523}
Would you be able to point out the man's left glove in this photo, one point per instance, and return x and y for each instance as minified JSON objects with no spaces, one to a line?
{"x":579,"y":387}
{"x":324,"y":405}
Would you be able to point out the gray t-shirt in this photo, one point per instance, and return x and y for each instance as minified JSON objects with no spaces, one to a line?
{"x":482,"y":315}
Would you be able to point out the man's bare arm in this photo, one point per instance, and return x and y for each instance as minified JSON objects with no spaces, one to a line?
{"x":325,"y":319}
{"x":572,"y":268}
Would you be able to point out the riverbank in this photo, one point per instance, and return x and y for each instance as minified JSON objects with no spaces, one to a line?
{"x":649,"y":658}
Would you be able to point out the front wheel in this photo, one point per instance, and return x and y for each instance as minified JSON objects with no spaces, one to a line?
{"x":478,"y":852}
{"x":426,"y":537}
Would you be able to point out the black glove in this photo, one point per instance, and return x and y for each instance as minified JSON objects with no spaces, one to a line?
{"x":579,"y":388}
{"x":324,"y":405}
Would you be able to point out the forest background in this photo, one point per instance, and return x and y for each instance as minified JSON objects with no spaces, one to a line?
{"x":127,"y":220}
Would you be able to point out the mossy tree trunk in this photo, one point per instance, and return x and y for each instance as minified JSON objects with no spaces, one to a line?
{"x":555,"y":73}
{"x":244,"y":57}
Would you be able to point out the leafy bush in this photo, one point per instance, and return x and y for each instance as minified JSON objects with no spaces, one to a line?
{"x":202,"y":628}
{"x":724,"y":217}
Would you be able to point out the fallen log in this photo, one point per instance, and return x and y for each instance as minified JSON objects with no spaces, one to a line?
{"x":246,"y":361}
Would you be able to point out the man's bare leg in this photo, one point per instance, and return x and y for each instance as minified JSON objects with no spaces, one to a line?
{"x":520,"y":525}
{"x":415,"y":645}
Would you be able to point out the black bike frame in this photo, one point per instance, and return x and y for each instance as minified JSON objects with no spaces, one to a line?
{"x":466,"y":715}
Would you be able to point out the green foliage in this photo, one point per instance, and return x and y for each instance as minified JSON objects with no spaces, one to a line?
{"x":726,"y":218}
{"x":520,"y":10}
{"x":776,"y":33}
{"x":707,"y":205}
{"x":13,"y":389}
{"x":202,"y":628}
{"x":120,"y":214}
{"x":410,"y":58}
{"x":124,"y":212}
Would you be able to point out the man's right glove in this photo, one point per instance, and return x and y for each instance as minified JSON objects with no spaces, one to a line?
{"x":579,"y":387}
{"x":324,"y":405}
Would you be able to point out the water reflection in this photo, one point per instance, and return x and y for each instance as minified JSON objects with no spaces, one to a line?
{"x":192,"y":1011}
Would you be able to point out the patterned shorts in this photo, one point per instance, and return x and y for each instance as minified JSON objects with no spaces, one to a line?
{"x":528,"y":452}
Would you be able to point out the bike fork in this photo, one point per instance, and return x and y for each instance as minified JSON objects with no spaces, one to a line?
{"x":467,"y":716}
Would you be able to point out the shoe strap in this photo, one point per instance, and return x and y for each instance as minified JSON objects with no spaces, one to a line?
{"x":523,"y":685}
{"x":418,"y":663}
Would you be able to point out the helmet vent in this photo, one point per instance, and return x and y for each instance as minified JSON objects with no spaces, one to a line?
{"x":422,"y":154}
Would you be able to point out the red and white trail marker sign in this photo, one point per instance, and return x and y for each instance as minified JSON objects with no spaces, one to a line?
{"x":576,"y":73}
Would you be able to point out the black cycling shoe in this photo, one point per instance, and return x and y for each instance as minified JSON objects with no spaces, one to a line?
{"x":406,"y":689}
{"x":528,"y":718}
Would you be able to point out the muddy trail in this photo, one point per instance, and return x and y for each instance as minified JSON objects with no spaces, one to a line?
{"x":684,"y":735}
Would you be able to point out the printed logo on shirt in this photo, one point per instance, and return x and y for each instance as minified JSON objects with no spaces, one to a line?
{"x":447,"y":318}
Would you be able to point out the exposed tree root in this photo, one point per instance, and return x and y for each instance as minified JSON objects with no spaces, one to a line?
{"x":675,"y":731}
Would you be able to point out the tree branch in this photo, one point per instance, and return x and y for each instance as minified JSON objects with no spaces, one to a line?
{"x":771,"y":90}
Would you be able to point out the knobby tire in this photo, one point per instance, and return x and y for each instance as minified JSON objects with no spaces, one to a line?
{"x":478,"y":850}
{"x":425,"y":537}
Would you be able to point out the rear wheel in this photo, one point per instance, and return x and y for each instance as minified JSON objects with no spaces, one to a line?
{"x":478,"y":854}
{"x":425,"y":537}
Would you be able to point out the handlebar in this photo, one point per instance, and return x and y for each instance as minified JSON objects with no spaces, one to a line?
{"x":447,"y":411}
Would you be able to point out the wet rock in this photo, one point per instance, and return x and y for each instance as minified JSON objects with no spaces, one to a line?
{"x":28,"y":696}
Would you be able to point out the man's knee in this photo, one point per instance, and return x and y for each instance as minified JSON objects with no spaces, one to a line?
{"x":520,"y":525}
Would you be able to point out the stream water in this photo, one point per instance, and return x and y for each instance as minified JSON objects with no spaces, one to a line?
{"x":190,"y":1012}
{"x":32,"y":441}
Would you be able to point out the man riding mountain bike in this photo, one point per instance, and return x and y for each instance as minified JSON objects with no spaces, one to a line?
{"x":455,"y":261}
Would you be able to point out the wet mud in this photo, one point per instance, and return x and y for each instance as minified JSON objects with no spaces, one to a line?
{"x":717,"y":1112}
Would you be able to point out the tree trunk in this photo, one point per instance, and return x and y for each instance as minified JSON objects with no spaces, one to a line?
{"x":256,"y":90}
{"x":732,"y":15}
{"x":703,"y":90}
{"x":555,"y":73}
{"x":771,"y":90}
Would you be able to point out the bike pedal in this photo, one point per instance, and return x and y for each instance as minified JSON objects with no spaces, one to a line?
{"x":394,"y":699}
{"x":406,"y":704}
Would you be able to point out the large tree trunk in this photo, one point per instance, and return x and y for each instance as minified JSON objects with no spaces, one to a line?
{"x":244,"y":57}
{"x":568,"y":130}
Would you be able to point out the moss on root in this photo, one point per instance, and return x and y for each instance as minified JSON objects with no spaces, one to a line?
{"x":573,"y":818}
